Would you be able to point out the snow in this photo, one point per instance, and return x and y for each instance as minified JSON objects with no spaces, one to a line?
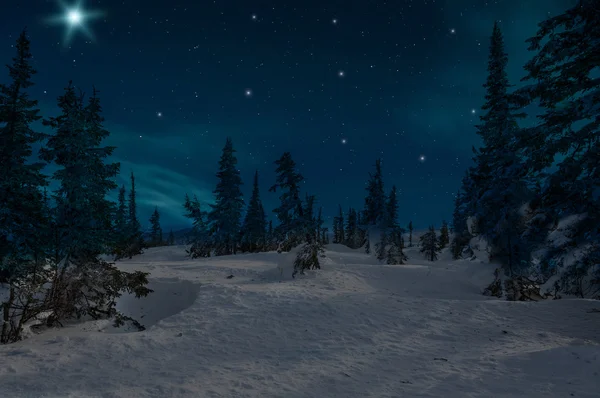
{"x":355,"y":328}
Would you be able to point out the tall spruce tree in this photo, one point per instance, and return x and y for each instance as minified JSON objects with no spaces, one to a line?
{"x":82,"y":283}
{"x":375,"y":200}
{"x":156,"y":235}
{"x":21,"y":200}
{"x":563,"y":148}
{"x":121,"y":235}
{"x":410,"y":233}
{"x":225,"y":215}
{"x":84,"y":215}
{"x":391,"y":210}
{"x":134,"y":228}
{"x":498,"y":175}
{"x":444,"y":235}
{"x":290,"y":212}
{"x":24,"y":218}
{"x":254,"y":228}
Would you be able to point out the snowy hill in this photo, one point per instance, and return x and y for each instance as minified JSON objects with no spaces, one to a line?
{"x":353,"y":329}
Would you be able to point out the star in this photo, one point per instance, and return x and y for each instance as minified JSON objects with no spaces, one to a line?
{"x":248,"y":92}
{"x":75,"y":17}
{"x":254,"y":17}
{"x":422,"y":158}
{"x":159,"y":114}
{"x":341,"y":73}
{"x":334,"y":21}
{"x":452,"y":31}
{"x":344,"y":141}
{"x":473,"y":111}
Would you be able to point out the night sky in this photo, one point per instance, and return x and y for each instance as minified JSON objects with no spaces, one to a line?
{"x":337,"y":83}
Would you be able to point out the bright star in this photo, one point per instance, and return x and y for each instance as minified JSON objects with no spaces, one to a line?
{"x":344,"y":141}
{"x":334,"y":21}
{"x":159,"y":114}
{"x":248,"y":93}
{"x":422,"y":158}
{"x":254,"y":17}
{"x":473,"y":111}
{"x":453,"y":31}
{"x":341,"y":73}
{"x":75,"y":18}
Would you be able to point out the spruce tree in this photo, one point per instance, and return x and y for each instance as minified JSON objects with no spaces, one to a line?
{"x":171,"y":238}
{"x":341,"y":226}
{"x":352,"y":235}
{"x":21,"y":199}
{"x":24,"y":217}
{"x":225,"y":215}
{"x":83,"y":284}
{"x":410,"y":232}
{"x":430,"y":244}
{"x":319,"y":225}
{"x":289,"y":213}
{"x":134,"y":228}
{"x":156,"y":236}
{"x":84,"y":215}
{"x":395,"y":253}
{"x":498,"y":176}
{"x":563,"y":148}
{"x":121,"y":235}
{"x":375,"y":200}
{"x":254,"y":228}
{"x":444,"y":235}
{"x":199,"y":237}
{"x":391,"y":210}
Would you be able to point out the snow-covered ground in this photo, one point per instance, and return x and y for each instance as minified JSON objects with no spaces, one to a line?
{"x":353,"y":329}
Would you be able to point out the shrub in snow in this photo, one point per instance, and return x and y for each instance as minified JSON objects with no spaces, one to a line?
{"x":430,"y":245}
{"x":308,"y":256}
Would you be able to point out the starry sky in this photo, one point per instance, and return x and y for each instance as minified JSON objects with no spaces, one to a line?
{"x":337,"y":83}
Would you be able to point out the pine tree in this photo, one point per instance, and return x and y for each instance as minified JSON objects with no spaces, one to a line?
{"x":498,"y":176}
{"x":319,"y":225}
{"x":352,"y":236}
{"x":563,"y":148}
{"x":225,"y":216}
{"x":368,"y":243}
{"x":199,"y":237}
{"x":444,"y":235}
{"x":254,"y":228}
{"x":308,"y":256}
{"x":391,"y":210}
{"x":380,"y":247}
{"x":20,"y":196}
{"x":395,"y":253}
{"x":83,"y":284}
{"x":134,"y":228}
{"x":340,"y":226}
{"x":24,"y":219}
{"x":83,"y":212}
{"x":121,"y":235}
{"x":171,"y":238}
{"x":375,"y":200}
{"x":156,"y":236}
{"x":309,"y":215}
{"x":410,"y":232}
{"x":430,"y":244}
{"x":291,"y":226}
